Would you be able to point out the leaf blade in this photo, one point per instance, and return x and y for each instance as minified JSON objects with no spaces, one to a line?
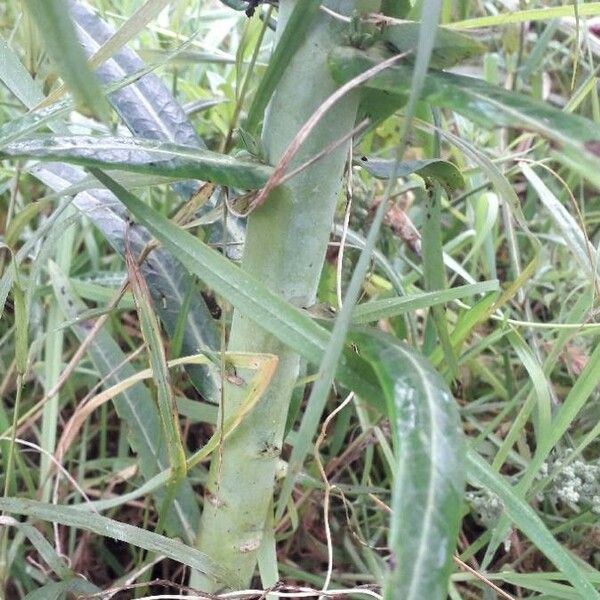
{"x":142,"y":156}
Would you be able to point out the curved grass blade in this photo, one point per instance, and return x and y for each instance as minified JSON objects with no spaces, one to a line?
{"x":526,"y":519}
{"x":148,"y":540}
{"x":135,"y":407}
{"x":436,"y":168}
{"x":249,"y":296}
{"x":547,"y":13}
{"x":429,"y":482}
{"x":392,"y":307}
{"x":58,"y":33}
{"x":142,"y":156}
{"x":572,"y":232}
{"x":575,"y":140}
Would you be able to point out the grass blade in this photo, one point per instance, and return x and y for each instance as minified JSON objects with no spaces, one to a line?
{"x":148,"y":540}
{"x":158,"y":361}
{"x":57,"y":31}
{"x":530,"y":524}
{"x":392,"y":307}
{"x":546,"y":13}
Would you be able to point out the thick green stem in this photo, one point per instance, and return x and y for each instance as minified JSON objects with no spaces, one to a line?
{"x":285,"y":248}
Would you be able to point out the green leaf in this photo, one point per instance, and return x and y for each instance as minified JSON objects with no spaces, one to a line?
{"x":142,"y":156}
{"x":16,"y":77}
{"x":148,"y":540}
{"x":526,"y":519}
{"x":58,"y":34}
{"x":575,"y":140}
{"x":289,"y":324}
{"x":392,"y":307}
{"x":442,"y":170}
{"x":429,"y":476}
{"x":450,"y":47}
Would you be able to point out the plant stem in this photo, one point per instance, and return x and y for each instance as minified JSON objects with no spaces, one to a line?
{"x":285,"y":248}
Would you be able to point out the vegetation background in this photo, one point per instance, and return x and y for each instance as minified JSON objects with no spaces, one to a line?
{"x":458,"y":285}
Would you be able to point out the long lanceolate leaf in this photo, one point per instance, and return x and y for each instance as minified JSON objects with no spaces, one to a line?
{"x":429,"y":475}
{"x":147,"y":107}
{"x":142,"y":156}
{"x":575,"y":140}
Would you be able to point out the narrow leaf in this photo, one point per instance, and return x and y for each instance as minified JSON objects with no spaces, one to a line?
{"x":142,"y":156}
{"x":546,"y":13}
{"x":57,"y":31}
{"x":573,"y":232}
{"x":392,"y":307}
{"x":575,"y":140}
{"x":429,"y":476}
{"x":158,"y":362}
{"x":436,"y":168}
